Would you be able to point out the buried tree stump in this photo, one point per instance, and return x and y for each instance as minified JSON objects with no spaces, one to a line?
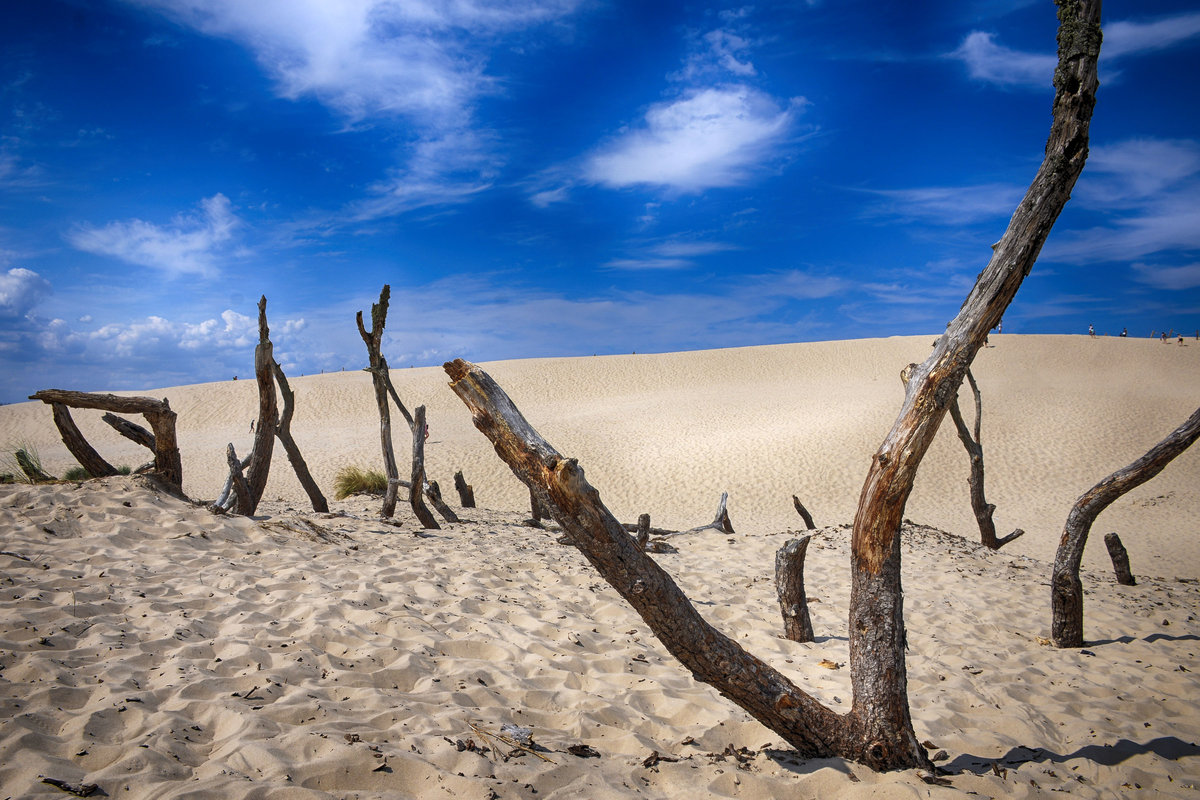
{"x":789,"y":585}
{"x":1120,"y":559}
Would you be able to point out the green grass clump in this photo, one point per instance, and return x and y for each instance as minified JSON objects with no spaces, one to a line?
{"x":9,"y":464}
{"x":77,"y":473}
{"x":355,"y":480}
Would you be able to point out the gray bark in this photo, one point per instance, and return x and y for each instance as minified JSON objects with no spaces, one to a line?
{"x":789,"y":586}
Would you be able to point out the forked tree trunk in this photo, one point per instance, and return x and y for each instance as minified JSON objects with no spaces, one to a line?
{"x":466,"y":493}
{"x":1066,"y":590}
{"x":878,"y":729}
{"x":84,"y":453}
{"x":417,"y":489}
{"x":284,"y":432}
{"x":1120,"y":559}
{"x":167,"y":463}
{"x":803,"y":512}
{"x":380,"y":380}
{"x":264,"y":430}
{"x":789,"y":586}
{"x":236,"y":483}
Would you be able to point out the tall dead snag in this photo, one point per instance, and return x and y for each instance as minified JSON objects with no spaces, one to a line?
{"x":167,"y":463}
{"x":973,"y":443}
{"x":264,"y":430}
{"x":789,"y":585}
{"x":877,"y":731}
{"x":84,"y":453}
{"x":284,"y":431}
{"x":380,"y":380}
{"x":466,"y":493}
{"x":1066,"y":590}
{"x":1120,"y":559}
{"x":803,"y":512}
{"x":419,"y":484}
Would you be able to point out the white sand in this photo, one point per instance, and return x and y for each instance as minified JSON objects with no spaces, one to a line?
{"x":136,"y":618}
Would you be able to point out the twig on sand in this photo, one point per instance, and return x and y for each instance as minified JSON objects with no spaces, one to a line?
{"x":507,"y":741}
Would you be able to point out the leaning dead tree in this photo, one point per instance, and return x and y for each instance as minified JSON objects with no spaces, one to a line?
{"x":877,"y":730}
{"x":167,"y":463}
{"x":84,"y":453}
{"x":803,"y":512}
{"x":973,"y":442}
{"x":1066,"y":590}
{"x":1120,"y":559}
{"x":283,"y":430}
{"x":418,"y":486}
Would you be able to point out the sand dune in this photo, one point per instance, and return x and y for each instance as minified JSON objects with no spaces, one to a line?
{"x":155,"y":650}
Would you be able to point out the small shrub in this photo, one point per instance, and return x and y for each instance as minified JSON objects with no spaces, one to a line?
{"x":77,"y":473}
{"x":124,"y":469}
{"x":355,"y":480}
{"x":10,"y":465}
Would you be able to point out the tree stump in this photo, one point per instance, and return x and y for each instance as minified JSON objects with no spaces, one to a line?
{"x":643,"y":531}
{"x":466,"y":493}
{"x":418,"y":473}
{"x":434,"y":493}
{"x":789,"y":585}
{"x":1120,"y":559}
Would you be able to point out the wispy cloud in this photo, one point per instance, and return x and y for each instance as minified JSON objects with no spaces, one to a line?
{"x":990,"y":62}
{"x":949,"y":205}
{"x":665,"y":255}
{"x":188,"y":245}
{"x":708,"y":138}
{"x":1170,"y":278}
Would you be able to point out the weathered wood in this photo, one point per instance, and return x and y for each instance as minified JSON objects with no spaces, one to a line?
{"x":418,"y":474}
{"x":537,"y":509}
{"x":1120,"y":559}
{"x":226,"y":500}
{"x":130,"y":430}
{"x":878,"y":729}
{"x":84,"y":453}
{"x":789,"y":586}
{"x":434,"y":493}
{"x":1066,"y":590}
{"x":466,"y":493}
{"x":643,"y":531}
{"x":268,"y":410}
{"x":380,"y":380}
{"x":283,"y":430}
{"x":167,"y":463}
{"x":803,"y":512}
{"x":30,"y":468}
{"x":237,"y":481}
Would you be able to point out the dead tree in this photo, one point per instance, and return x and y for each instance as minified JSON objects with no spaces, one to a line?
{"x":84,"y":453}
{"x":1120,"y":559}
{"x":789,"y":586}
{"x":130,"y":430}
{"x":284,"y":431}
{"x":434,"y":493}
{"x":380,"y":380}
{"x":643,"y":531}
{"x":167,"y":463}
{"x":30,"y":467}
{"x":236,"y":484}
{"x":720,"y":522}
{"x":973,"y":443}
{"x":264,"y":430}
{"x":466,"y":492}
{"x":1066,"y":590}
{"x":803,"y":512}
{"x":878,"y":730}
{"x":417,"y":489}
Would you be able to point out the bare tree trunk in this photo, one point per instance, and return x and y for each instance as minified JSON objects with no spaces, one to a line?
{"x":434,"y":493}
{"x":803,"y":512}
{"x":789,"y":585}
{"x":227,"y":499}
{"x":1066,"y":590}
{"x":380,"y":380}
{"x":84,"y":453}
{"x":643,"y":531}
{"x":537,"y":509}
{"x":1120,"y":559}
{"x":878,"y":729}
{"x":130,"y":430}
{"x":418,"y":473}
{"x":264,"y":430}
{"x":284,"y":432}
{"x":466,"y":493}
{"x":167,"y":463}
{"x":236,"y":482}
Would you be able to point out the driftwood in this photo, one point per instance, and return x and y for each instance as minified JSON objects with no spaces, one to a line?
{"x":226,"y":500}
{"x":284,"y":431}
{"x":236,"y":482}
{"x":418,"y":474}
{"x":380,"y":380}
{"x":803,"y":512}
{"x":130,"y":430}
{"x":789,"y":586}
{"x":466,"y":492}
{"x":878,"y":730}
{"x":434,"y":493}
{"x":1120,"y":559}
{"x":264,"y":430}
{"x":167,"y":463}
{"x":84,"y":453}
{"x":1066,"y":590}
{"x":30,"y":468}
{"x":720,"y":523}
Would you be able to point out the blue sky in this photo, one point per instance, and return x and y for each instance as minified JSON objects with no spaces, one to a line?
{"x":562,"y":177}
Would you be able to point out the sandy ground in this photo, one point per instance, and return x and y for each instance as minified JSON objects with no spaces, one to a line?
{"x":155,"y":650}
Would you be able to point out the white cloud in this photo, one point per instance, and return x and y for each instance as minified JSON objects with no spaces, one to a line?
{"x":189,"y":245}
{"x":951,"y":205}
{"x":994,"y":63}
{"x":20,"y":290}
{"x":708,"y":138}
{"x":1135,"y":169}
{"x":1126,"y":37}
{"x":1169,"y":278}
